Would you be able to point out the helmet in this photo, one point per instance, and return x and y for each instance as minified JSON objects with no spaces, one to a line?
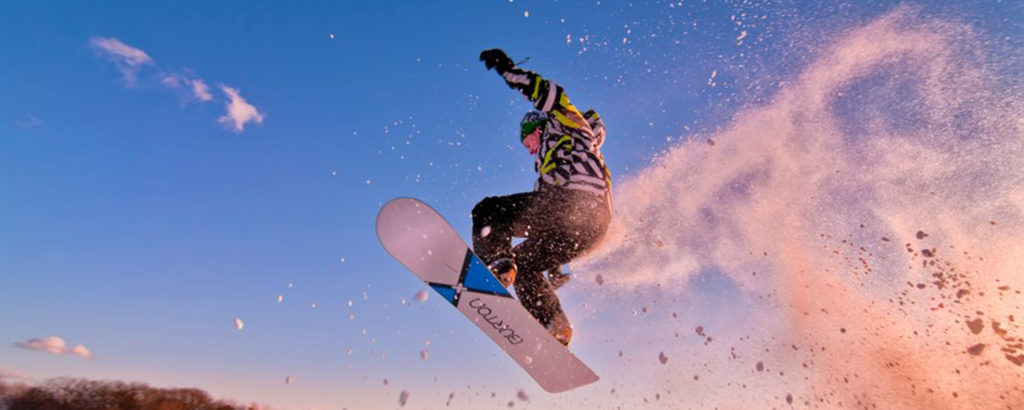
{"x":531,"y":121}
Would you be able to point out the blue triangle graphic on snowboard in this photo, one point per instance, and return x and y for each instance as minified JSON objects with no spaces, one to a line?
{"x":446,"y":292}
{"x":480,"y":279}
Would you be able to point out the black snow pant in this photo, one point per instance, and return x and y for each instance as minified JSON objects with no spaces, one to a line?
{"x":557,"y":224}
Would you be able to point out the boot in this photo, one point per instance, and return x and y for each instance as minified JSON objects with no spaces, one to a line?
{"x":560,"y":328}
{"x":505,"y":270}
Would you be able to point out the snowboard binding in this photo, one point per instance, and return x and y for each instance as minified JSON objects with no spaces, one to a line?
{"x":505,"y":270}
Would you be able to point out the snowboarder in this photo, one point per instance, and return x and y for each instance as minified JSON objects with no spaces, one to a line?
{"x":569,"y":209}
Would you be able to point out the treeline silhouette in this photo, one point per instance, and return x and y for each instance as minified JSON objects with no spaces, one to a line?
{"x":72,"y":393}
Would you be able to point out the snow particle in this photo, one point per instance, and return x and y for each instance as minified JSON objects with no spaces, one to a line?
{"x":239,"y":324}
{"x":331,"y":36}
{"x":522,"y":395}
{"x":599,"y":279}
{"x":486,"y":230}
{"x":403,"y":398}
{"x":421,"y":296}
{"x":662,"y":358}
{"x":423,"y":354}
{"x":288,"y":380}
{"x":976,"y":325}
{"x":280,"y":298}
{"x":526,"y":13}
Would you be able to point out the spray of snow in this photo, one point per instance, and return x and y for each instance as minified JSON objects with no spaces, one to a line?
{"x":816,"y":203}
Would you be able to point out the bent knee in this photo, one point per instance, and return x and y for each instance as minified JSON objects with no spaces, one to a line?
{"x":487,"y":208}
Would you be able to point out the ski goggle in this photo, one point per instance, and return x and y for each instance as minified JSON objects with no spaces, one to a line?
{"x":528,"y":128}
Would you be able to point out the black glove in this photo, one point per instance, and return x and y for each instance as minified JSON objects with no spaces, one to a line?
{"x":495,"y":58}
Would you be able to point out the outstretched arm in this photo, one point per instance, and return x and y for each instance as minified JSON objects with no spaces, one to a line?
{"x":546,"y":95}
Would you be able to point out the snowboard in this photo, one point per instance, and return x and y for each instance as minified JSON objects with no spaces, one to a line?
{"x":425,"y":243}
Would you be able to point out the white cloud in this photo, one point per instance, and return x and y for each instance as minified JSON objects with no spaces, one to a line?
{"x":81,"y":351}
{"x":31,"y":122}
{"x":129,"y":60}
{"x":171,"y":80}
{"x":54,"y":345}
{"x":239,"y":111}
{"x":196,"y":86}
{"x":12,"y":374}
{"x":200,"y":90}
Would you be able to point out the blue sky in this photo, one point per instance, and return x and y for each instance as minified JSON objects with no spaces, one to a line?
{"x":139,"y":217}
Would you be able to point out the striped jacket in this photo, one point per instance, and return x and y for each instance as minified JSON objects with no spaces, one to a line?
{"x":570,"y":152}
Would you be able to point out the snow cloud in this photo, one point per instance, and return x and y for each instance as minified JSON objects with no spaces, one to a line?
{"x":811,"y":209}
{"x":129,"y":60}
{"x":54,"y":345}
{"x":239,"y":111}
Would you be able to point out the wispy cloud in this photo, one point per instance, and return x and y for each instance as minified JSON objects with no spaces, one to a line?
{"x":54,"y":345}
{"x":129,"y":60}
{"x":195,"y":86}
{"x":239,"y":111}
{"x":171,"y":80}
{"x":31,"y":122}
{"x":12,"y":374}
{"x":200,"y":90}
